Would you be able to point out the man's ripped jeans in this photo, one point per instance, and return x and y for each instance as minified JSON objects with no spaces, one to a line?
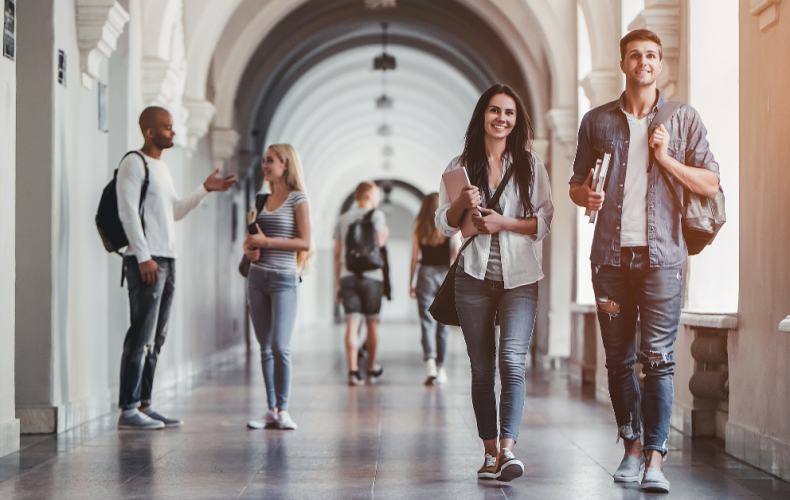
{"x":624,"y":294}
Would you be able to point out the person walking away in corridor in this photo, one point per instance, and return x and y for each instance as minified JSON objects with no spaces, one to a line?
{"x":638,"y":247}
{"x":278,"y":253}
{"x":149,"y":262}
{"x":360,"y":292}
{"x":498,"y":273}
{"x":434,"y":252}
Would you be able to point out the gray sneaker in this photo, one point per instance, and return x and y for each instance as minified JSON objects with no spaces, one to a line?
{"x":169,"y":422}
{"x":654,"y":481}
{"x":629,"y":469}
{"x":139,"y":421}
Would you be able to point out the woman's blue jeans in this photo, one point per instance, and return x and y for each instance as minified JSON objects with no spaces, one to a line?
{"x":477,"y":303}
{"x":272,"y":298}
{"x":434,"y":334}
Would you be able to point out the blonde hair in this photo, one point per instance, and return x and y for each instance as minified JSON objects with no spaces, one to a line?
{"x":424,"y":227}
{"x":294,"y":179}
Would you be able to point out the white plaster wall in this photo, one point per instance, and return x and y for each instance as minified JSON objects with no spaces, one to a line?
{"x":759,"y":422}
{"x":9,"y":428}
{"x":713,"y":81}
{"x":89,"y":309}
{"x":79,"y":260}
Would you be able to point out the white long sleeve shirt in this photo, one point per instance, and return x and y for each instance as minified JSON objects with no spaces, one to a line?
{"x":521,"y":255}
{"x":162,"y":207}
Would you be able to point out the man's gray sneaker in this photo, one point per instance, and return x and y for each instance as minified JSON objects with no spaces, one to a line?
{"x":629,"y":469}
{"x":139,"y":421}
{"x":169,"y":422}
{"x":654,"y":481}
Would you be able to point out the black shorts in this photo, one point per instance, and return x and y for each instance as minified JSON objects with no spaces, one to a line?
{"x":361,"y":295}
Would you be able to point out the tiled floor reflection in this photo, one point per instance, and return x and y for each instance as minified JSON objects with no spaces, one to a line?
{"x":398,"y":440}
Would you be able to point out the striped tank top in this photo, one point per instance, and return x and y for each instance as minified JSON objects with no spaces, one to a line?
{"x":280,"y":223}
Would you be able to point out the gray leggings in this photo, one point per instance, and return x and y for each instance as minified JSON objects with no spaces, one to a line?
{"x":272,"y":299}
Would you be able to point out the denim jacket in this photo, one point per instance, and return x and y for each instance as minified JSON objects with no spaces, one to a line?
{"x":605,"y":130}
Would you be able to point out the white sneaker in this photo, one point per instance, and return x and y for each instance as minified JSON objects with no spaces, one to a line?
{"x":430,"y":365}
{"x":269,"y":421}
{"x":441,"y":377}
{"x":285,"y":421}
{"x":139,"y":421}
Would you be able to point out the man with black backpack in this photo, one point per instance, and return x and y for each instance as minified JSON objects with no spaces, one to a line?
{"x":657,"y":152}
{"x":148,"y":217}
{"x":360,"y":234}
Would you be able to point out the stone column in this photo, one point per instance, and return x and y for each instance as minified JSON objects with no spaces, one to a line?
{"x":35,"y":262}
{"x":562,"y":122}
{"x":9,"y":424}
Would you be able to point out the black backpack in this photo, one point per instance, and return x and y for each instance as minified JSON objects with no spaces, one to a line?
{"x":362,"y":246}
{"x":107,"y":220}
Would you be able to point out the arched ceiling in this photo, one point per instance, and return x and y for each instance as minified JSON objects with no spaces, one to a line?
{"x":300,"y":71}
{"x":330,"y":116}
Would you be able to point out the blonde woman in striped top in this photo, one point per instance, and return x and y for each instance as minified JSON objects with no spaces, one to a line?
{"x":279,"y":253}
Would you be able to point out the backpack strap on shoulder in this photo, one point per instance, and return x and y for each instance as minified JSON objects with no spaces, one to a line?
{"x":663,"y":116}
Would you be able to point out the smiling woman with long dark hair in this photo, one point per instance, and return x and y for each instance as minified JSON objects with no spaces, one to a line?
{"x":498,"y":273}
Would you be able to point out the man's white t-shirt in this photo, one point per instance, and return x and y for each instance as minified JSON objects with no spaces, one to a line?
{"x":162,"y":207}
{"x":633,"y":227}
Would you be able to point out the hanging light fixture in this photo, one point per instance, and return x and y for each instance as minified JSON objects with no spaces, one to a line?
{"x":380,"y":4}
{"x":384,"y":62}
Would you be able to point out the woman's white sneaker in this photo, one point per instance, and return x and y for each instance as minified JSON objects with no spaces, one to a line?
{"x":285,"y":421}
{"x":269,"y":421}
{"x":441,"y":377}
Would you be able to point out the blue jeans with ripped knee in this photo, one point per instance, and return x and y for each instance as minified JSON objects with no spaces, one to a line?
{"x":633,"y":290}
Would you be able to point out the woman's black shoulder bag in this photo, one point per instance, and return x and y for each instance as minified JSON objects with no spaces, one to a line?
{"x":443,"y":307}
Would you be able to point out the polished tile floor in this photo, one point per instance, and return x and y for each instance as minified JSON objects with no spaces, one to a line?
{"x":397,"y":440}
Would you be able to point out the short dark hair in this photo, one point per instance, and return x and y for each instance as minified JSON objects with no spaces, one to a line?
{"x":646,"y":35}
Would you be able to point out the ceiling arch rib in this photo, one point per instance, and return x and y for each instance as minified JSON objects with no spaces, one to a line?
{"x":443,"y":19}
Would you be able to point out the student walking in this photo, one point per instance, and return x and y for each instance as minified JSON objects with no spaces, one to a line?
{"x":498,"y":273}
{"x":434,"y":252}
{"x":278,"y":253}
{"x":360,"y":233}
{"x":149,"y":262}
{"x":638,"y":248}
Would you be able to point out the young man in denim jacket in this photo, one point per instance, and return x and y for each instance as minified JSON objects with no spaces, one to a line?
{"x":638,"y":248}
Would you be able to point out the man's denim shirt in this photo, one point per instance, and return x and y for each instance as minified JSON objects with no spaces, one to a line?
{"x":605,"y":130}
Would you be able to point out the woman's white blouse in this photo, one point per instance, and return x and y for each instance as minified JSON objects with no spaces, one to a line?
{"x":522,"y":256}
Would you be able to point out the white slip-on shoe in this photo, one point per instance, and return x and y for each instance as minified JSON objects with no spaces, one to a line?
{"x":139,"y":421}
{"x":169,"y":422}
{"x":629,"y":470}
{"x":285,"y":421}
{"x":654,"y":481}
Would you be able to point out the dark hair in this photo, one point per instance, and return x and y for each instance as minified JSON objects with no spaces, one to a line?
{"x":519,"y":143}
{"x":646,"y":35}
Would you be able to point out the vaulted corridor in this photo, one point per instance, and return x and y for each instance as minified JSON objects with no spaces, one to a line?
{"x":395,"y":440}
{"x":377,"y":91}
